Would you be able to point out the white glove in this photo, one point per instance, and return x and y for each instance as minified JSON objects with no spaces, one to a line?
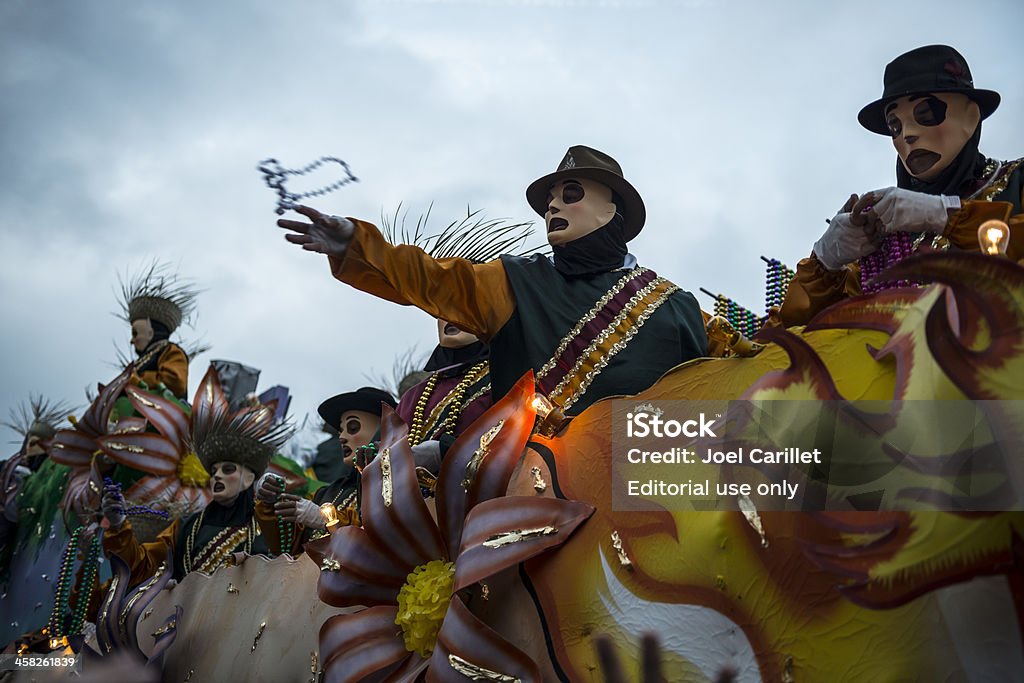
{"x":113,"y":508}
{"x":268,"y":488}
{"x":427,"y":455}
{"x":300,"y":511}
{"x":908,"y":211}
{"x":844,"y":242}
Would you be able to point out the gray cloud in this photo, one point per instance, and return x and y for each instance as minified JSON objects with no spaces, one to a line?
{"x":133,"y":131}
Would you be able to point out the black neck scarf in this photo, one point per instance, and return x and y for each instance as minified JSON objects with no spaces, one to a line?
{"x":599,"y":252}
{"x":960,"y":178}
{"x":444,"y":357}
{"x":237,"y":513}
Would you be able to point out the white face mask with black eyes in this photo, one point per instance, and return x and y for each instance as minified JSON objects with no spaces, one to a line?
{"x":576,"y":208}
{"x":928,"y":131}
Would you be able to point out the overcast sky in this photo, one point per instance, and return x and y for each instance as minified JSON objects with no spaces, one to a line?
{"x":132,"y":131}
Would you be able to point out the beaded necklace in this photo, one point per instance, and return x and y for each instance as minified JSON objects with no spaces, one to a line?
{"x":421,"y":427}
{"x":285,"y":530}
{"x":222,"y":537}
{"x":900,"y":245}
{"x":65,"y":579}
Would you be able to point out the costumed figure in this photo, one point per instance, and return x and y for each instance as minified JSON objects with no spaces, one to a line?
{"x":945,"y":188}
{"x":234,"y":449}
{"x":589,"y":322}
{"x":457,"y":387}
{"x":31,"y":487}
{"x":289,"y":520}
{"x":155,"y":302}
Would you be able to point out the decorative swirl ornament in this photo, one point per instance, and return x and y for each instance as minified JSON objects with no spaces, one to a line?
{"x":275,"y":175}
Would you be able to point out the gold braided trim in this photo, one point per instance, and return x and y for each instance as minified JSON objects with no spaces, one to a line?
{"x":143,"y":360}
{"x":611,"y":341}
{"x":222,"y":547}
{"x":430,"y":425}
{"x":998,"y":181}
{"x":219,"y":556}
{"x":591,"y":314}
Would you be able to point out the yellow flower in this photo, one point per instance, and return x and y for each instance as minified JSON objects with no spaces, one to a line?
{"x":422,"y":604}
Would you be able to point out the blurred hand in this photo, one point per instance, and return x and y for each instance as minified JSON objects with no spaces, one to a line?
{"x":113,"y":508}
{"x":268,"y":488}
{"x":428,"y":456}
{"x":325,"y":234}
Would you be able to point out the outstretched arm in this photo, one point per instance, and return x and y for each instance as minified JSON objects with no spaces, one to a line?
{"x":476,"y":297}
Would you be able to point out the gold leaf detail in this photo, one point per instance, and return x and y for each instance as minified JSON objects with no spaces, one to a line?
{"x":118,"y":446}
{"x":620,"y":551}
{"x":478,"y":456}
{"x":385,"y":473}
{"x":330,"y":565}
{"x":259,"y":634}
{"x":518,"y":536}
{"x":477,"y":673}
{"x":539,"y":485}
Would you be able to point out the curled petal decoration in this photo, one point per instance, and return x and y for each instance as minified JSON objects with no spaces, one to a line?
{"x":405,"y":532}
{"x":146,"y":451}
{"x":366,"y":645}
{"x":167,"y":416}
{"x":495,"y":470}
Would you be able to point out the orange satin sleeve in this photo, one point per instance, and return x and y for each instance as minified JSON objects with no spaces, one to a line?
{"x":143,"y":559}
{"x":814,"y":288}
{"x":962,"y":229}
{"x":171,"y":370}
{"x":475,"y":297}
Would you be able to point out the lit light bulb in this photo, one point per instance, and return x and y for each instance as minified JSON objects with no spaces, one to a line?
{"x":329,"y":514}
{"x":994,"y":237}
{"x":542,"y":405}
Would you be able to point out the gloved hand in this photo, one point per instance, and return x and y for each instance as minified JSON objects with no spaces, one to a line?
{"x":325,"y":235}
{"x":427,"y":455}
{"x":909,"y":211}
{"x":849,"y":236}
{"x":299,"y":511}
{"x":268,"y":488}
{"x":113,"y":508}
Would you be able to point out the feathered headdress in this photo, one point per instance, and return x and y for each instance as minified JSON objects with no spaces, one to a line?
{"x":38,"y":417}
{"x":247,"y":437}
{"x":158,"y":293}
{"x":473,"y":237}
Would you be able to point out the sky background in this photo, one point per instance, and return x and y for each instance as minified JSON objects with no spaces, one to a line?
{"x":132,"y":130}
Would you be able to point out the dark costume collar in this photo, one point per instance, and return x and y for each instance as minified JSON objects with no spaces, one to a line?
{"x":961,"y":178}
{"x":444,"y":357}
{"x":599,"y":252}
{"x":237,"y":513}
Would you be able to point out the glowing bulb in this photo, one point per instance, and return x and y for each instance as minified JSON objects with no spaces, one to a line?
{"x":329,"y":514}
{"x":994,"y":237}
{"x":542,"y":405}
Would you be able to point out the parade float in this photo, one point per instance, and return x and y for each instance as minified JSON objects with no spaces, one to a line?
{"x":520,"y":558}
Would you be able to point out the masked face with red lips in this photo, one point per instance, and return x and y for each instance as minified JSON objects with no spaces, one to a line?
{"x":576,"y":208}
{"x":227,"y":480}
{"x":929,"y":130}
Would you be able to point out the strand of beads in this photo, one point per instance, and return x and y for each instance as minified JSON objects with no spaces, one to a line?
{"x":90,"y":569}
{"x":112,"y":487}
{"x":285,"y":529}
{"x":777,"y":277}
{"x":894,"y":248}
{"x":62,"y":593}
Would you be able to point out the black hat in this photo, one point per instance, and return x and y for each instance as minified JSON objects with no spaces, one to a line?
{"x":367,"y":399}
{"x":932,"y":68}
{"x":585,"y":162}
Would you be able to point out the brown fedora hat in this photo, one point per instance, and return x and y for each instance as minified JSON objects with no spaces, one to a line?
{"x":589,"y":163}
{"x":928,"y":69}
